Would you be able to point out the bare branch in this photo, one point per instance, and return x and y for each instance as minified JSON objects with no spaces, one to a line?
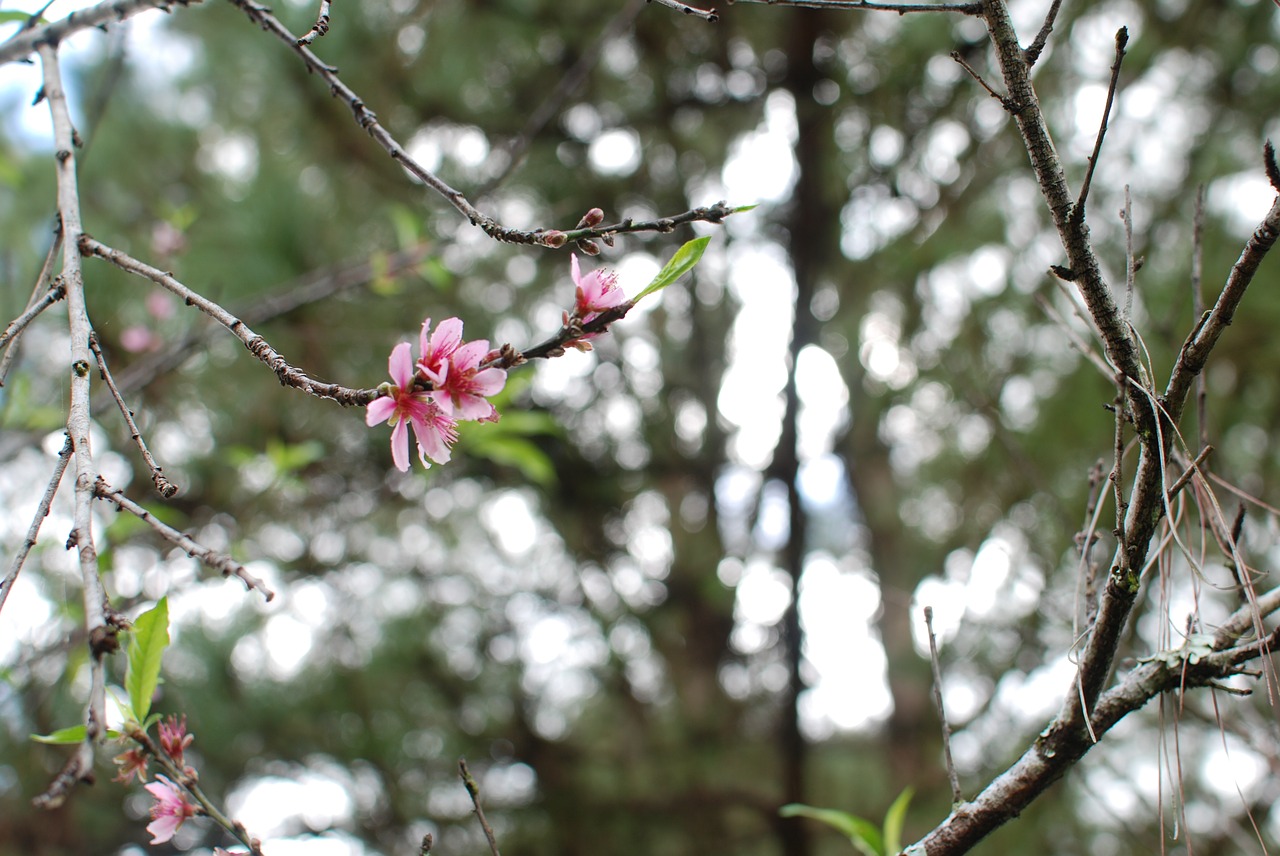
{"x":220,"y":562}
{"x":1195,"y":351}
{"x":708,"y":15}
{"x":55,"y":293}
{"x":473,"y":791}
{"x":322,"y":24}
{"x":33,"y":531}
{"x":11,"y":348}
{"x":166,"y":488}
{"x":1036,"y":47}
{"x":974,"y":9}
{"x":27,"y":42}
{"x":956,"y":795}
{"x":305,"y":290}
{"x":101,"y":635}
{"x":258,"y":346}
{"x":368,"y":120}
{"x":514,"y":149}
{"x":1122,"y":39}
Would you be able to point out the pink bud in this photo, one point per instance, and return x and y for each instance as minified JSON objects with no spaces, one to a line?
{"x":553,"y":238}
{"x":592,"y":218}
{"x":589,"y":247}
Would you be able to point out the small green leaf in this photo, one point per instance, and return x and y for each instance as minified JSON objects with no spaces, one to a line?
{"x":862,"y":833}
{"x":74,"y":734}
{"x":146,"y":649}
{"x":681,"y":263}
{"x":894,"y":819}
{"x":11,"y":16}
{"x":742,"y":209}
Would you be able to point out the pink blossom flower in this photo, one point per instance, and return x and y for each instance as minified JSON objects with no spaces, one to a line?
{"x":132,"y":762}
{"x":466,"y":387}
{"x":436,"y":350}
{"x":453,"y":368}
{"x":597,"y":291}
{"x":175,"y":740}
{"x":169,"y":811}
{"x":433,"y":429}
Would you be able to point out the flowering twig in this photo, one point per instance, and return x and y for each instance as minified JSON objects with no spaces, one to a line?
{"x":166,"y":488}
{"x":42,"y":511}
{"x":185,"y":778}
{"x":368,"y":120}
{"x":321,"y":27}
{"x":220,"y":562}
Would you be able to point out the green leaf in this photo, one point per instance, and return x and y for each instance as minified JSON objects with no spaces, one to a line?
{"x":8,"y":17}
{"x":862,"y":833}
{"x":146,"y":648}
{"x":74,"y":734}
{"x":681,"y":263}
{"x":894,"y":819}
{"x":742,"y":209}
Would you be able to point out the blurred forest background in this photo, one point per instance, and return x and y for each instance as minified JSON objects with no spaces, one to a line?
{"x":858,"y":397}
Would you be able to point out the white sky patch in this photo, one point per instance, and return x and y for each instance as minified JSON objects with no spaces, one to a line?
{"x":761,"y":166}
{"x":749,"y":394}
{"x":274,"y":805}
{"x":837,"y":610}
{"x":615,"y":152}
{"x":510,"y":520}
{"x":823,"y":398}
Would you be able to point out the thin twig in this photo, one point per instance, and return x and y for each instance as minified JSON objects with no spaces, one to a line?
{"x":368,"y":120}
{"x":258,"y":346}
{"x":1086,"y":540}
{"x":33,"y":531}
{"x":1195,"y":351}
{"x":1033,"y":52}
{"x":514,"y":149}
{"x":473,"y":791}
{"x":27,"y":42}
{"x":708,"y":15}
{"x":220,"y":562}
{"x":957,"y":796}
{"x":55,"y":293}
{"x":322,"y":24}
{"x":1131,"y":264}
{"x":973,"y":72}
{"x":1122,"y":39}
{"x":166,"y":488}
{"x":901,"y":8}
{"x":1190,"y":472}
{"x":306,"y":290}
{"x":11,"y":351}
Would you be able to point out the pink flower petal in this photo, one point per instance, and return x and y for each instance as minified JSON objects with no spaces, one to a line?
{"x":400,"y":446}
{"x":400,"y":365}
{"x":163,"y":828}
{"x":379,"y":410}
